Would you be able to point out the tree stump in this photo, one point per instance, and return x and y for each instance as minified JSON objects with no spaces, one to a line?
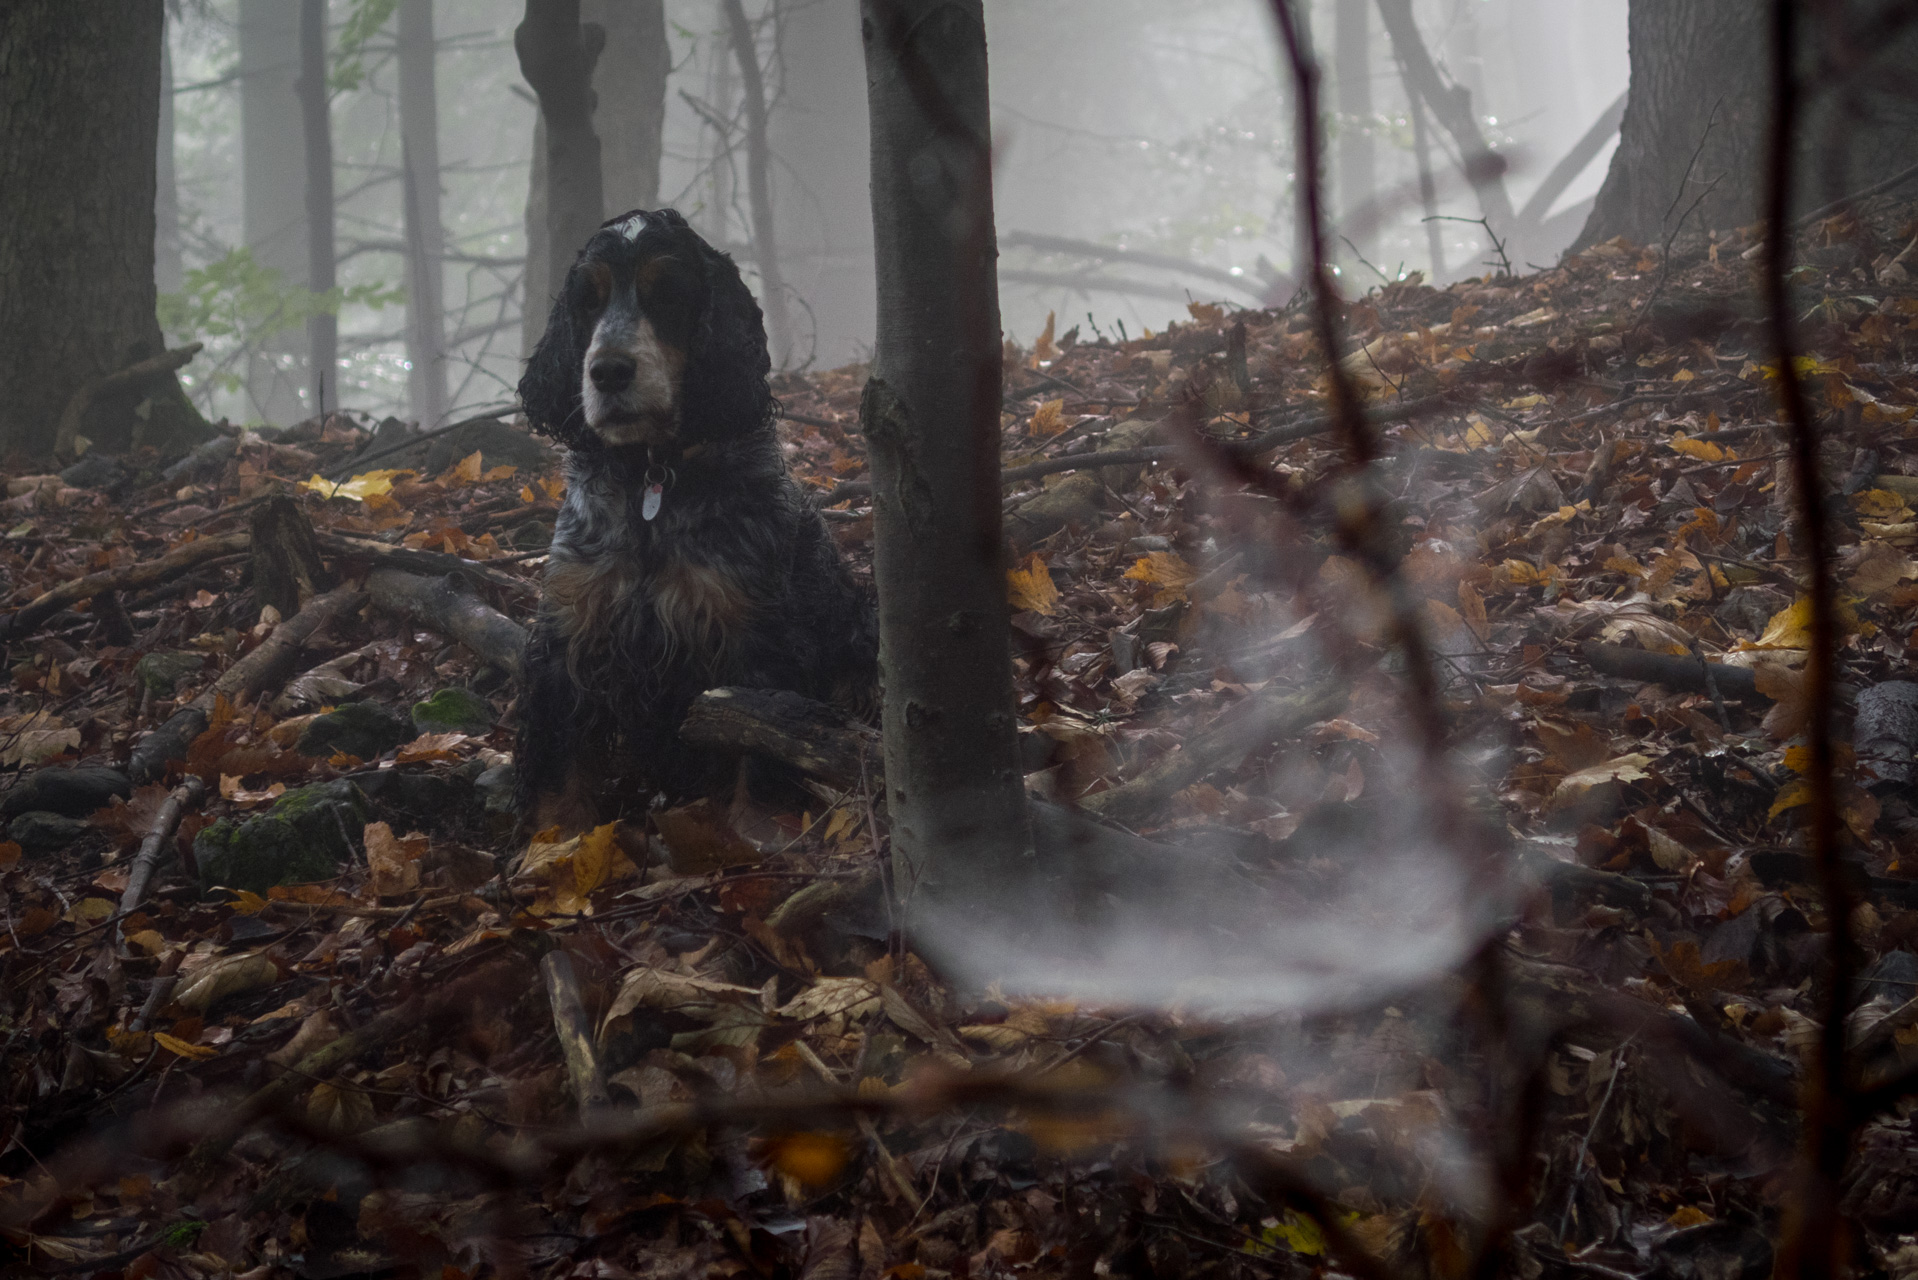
{"x":286,"y":557}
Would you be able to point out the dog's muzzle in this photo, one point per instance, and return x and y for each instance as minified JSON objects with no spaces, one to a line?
{"x":630,"y":383}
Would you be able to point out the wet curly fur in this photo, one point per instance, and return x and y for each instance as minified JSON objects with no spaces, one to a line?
{"x":654,"y":369}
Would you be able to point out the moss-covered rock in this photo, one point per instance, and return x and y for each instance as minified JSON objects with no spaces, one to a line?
{"x":454,"y":711}
{"x":304,"y":836}
{"x":38,"y":831}
{"x":363,"y":729}
{"x":161,"y":673}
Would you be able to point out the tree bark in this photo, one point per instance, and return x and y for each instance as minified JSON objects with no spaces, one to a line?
{"x":630,"y":82}
{"x":1700,"y":88}
{"x":425,"y":238}
{"x":169,"y":272}
{"x":271,"y":147}
{"x":772,"y":282}
{"x":79,"y":134}
{"x":556,"y":55}
{"x":931,"y":418}
{"x":1358,"y":172}
{"x":537,"y":283}
{"x":316,"y":118}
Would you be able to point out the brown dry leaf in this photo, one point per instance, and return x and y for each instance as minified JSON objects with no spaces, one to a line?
{"x":339,"y":1108}
{"x":1577,"y":747}
{"x":430,"y":747}
{"x":226,"y":976}
{"x":183,"y":1049}
{"x":1877,"y":567}
{"x":1043,"y":350}
{"x":850,"y":998}
{"x":1206,"y":312}
{"x":811,"y":1159}
{"x":1626,"y":768}
{"x":31,"y":740}
{"x":1790,"y":711}
{"x":1668,"y":853}
{"x":1049,"y":419}
{"x":9,"y":855}
{"x":1030,"y":586}
{"x":393,"y":860}
{"x":1166,"y":571}
{"x":699,"y":839}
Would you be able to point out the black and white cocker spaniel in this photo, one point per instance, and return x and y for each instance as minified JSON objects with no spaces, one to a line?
{"x":684,"y":557}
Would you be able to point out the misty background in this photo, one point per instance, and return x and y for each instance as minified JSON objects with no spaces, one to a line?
{"x":1144,"y":158}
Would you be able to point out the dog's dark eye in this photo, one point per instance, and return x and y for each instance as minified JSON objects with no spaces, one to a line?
{"x":595,"y":285}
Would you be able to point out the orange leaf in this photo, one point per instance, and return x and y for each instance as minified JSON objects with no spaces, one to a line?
{"x":1030,"y":587}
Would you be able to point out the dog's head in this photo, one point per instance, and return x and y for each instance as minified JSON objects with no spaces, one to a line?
{"x":654,"y":341}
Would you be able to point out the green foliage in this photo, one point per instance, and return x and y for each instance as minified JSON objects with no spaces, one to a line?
{"x":236,"y":304}
{"x":183,"y":1233}
{"x":362,"y":24}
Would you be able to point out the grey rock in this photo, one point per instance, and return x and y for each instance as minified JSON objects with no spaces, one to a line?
{"x":305,"y":836}
{"x":72,"y":792}
{"x":95,"y":471}
{"x":496,"y":785}
{"x":363,"y":729}
{"x":454,"y":710}
{"x":1074,"y":500}
{"x":38,"y":831}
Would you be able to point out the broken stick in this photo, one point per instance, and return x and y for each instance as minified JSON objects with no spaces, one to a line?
{"x":575,"y":1031}
{"x":147,"y":860}
{"x":447,"y":605}
{"x":267,"y":665}
{"x":43,"y":606}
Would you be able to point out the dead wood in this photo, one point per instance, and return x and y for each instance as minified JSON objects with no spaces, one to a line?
{"x":436,"y":563}
{"x":1675,"y":671}
{"x":286,"y":559}
{"x":1452,"y":106}
{"x":259,"y":670}
{"x":1257,"y":722}
{"x":130,"y":378}
{"x":153,"y":848}
{"x":447,"y":605}
{"x":808,"y":735}
{"x":1885,"y":732}
{"x":575,"y":1031}
{"x":43,"y":606}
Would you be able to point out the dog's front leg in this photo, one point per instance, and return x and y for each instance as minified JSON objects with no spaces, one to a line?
{"x":551,"y":787}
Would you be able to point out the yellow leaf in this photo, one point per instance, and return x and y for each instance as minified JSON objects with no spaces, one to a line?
{"x":1206,"y":312}
{"x":1043,"y":350}
{"x":1298,"y":1233}
{"x":1164,"y":569}
{"x":598,"y":854}
{"x":1048,"y":419}
{"x":89,"y":911}
{"x":1703,"y":450}
{"x":1881,"y":505}
{"x":1789,"y":628}
{"x":247,"y":902}
{"x":361,"y":487}
{"x":504,"y":471}
{"x":465,"y":471}
{"x":1790,"y":796}
{"x":1689,"y":1216}
{"x":1030,"y":587}
{"x":812,"y":1159}
{"x":1684,"y":375}
{"x":175,"y":1045}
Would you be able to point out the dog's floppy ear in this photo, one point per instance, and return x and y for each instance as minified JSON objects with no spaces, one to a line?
{"x":725,"y":387}
{"x":550,"y":386}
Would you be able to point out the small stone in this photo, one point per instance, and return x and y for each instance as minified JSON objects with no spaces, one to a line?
{"x":38,"y":831}
{"x":161,"y":673}
{"x":454,"y":710}
{"x":73,"y":793}
{"x":1074,"y":500}
{"x":496,"y":785}
{"x":305,"y":836}
{"x":365,"y":730}
{"x":95,"y":471}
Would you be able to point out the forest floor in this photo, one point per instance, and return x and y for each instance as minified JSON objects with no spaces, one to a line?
{"x":696,"y":1046}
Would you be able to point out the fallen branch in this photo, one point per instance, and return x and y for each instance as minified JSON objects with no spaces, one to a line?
{"x":1682,"y":672}
{"x":267,"y":665}
{"x":436,"y":563}
{"x":447,"y":606}
{"x":29,"y":616}
{"x":808,"y":735}
{"x":147,"y":860}
{"x":127,"y":379}
{"x":575,"y":1032}
{"x":1254,"y":723}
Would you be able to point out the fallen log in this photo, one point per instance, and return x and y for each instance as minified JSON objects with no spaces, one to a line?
{"x":1683,"y":672}
{"x":1252,"y":724}
{"x":127,"y":379}
{"x":448,"y":606}
{"x":267,"y":665}
{"x":809,"y":735}
{"x":434,"y":563}
{"x":30,"y":615}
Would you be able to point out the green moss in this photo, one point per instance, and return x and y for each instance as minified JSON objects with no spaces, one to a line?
{"x":305,"y":836}
{"x":454,"y":711}
{"x":366,"y":730}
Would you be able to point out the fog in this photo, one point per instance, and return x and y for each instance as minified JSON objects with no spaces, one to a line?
{"x":1159,"y":130}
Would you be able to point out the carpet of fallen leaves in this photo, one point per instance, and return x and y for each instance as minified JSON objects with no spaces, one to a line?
{"x":1583,"y":463}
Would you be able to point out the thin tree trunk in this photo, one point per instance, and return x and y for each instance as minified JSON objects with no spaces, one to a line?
{"x":630,"y":82}
{"x":168,"y":271}
{"x":931,"y":417}
{"x":1452,"y":108}
{"x":425,"y":238}
{"x":537,"y":283}
{"x":1358,"y":171}
{"x":271,"y":148}
{"x":1428,"y":188}
{"x":556,"y":55}
{"x":759,"y":184}
{"x":323,"y":329}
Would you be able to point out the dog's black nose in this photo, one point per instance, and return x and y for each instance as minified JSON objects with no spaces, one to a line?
{"x":613,"y":372}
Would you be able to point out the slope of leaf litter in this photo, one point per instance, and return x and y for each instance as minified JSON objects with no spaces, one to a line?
{"x":1597,"y":461}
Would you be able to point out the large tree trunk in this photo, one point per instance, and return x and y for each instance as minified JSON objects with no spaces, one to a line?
{"x":931,"y":416}
{"x":1700,"y":87}
{"x":79,"y":129}
{"x":556,"y":55}
{"x":759,"y":190}
{"x":821,"y":201}
{"x":425,"y":238}
{"x":169,"y":271}
{"x":273,"y":191}
{"x":1358,"y":171}
{"x":316,"y":119}
{"x":630,"y":82}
